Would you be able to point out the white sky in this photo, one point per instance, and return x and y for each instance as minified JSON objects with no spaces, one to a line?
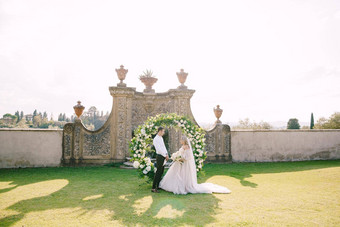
{"x":266,"y":60}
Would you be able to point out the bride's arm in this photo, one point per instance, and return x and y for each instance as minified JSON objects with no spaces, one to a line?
{"x":185,"y":155}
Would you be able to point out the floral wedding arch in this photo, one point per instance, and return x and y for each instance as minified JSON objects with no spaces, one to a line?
{"x":141,"y":143}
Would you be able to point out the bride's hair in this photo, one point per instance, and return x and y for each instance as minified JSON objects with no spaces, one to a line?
{"x":184,"y":138}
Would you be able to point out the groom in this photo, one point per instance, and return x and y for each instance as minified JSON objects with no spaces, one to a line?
{"x":162,"y":154}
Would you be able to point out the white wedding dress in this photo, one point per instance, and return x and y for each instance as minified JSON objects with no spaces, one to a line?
{"x":181,"y":178}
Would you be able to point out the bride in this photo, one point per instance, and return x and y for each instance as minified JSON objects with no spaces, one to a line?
{"x":181,"y":177}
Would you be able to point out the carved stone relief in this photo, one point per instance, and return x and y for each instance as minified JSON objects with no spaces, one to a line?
{"x":77,"y":142}
{"x":97,"y":144}
{"x":121,"y":125}
{"x":131,"y":109}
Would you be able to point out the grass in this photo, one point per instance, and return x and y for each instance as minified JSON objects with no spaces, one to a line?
{"x":263,"y":194}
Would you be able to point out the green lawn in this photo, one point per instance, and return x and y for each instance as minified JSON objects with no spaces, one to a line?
{"x":263,"y":194}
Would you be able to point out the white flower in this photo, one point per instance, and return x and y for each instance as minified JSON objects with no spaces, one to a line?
{"x":135,"y":155}
{"x":143,"y":131}
{"x":145,"y":171}
{"x":141,"y":166}
{"x":155,"y":169}
{"x":148,"y":168}
{"x":138,"y":155}
{"x":197,"y":170}
{"x":135,"y":164}
{"x":147,"y":160}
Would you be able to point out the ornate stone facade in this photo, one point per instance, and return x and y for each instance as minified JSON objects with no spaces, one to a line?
{"x":218,"y":143}
{"x":129,"y":109}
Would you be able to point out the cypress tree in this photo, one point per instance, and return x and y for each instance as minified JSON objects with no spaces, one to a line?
{"x":60,"y":117}
{"x":312,"y":121}
{"x":21,"y":115}
{"x":18,"y":116}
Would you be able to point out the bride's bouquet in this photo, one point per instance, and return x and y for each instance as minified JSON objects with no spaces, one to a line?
{"x":176,"y":157}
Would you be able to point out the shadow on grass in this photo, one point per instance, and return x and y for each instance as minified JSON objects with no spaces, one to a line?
{"x":242,"y":171}
{"x":124,"y":194}
{"x":121,"y":192}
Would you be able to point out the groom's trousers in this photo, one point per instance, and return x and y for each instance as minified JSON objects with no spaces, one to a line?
{"x":159,"y":172}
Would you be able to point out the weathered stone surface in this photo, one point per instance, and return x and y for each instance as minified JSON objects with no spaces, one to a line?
{"x":285,"y":145}
{"x":30,"y":147}
{"x":130,"y":109}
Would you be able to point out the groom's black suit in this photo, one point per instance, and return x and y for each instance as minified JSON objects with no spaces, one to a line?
{"x":162,"y":153}
{"x":159,"y":172}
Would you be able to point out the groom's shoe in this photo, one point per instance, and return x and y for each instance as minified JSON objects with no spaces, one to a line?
{"x":154,"y":190}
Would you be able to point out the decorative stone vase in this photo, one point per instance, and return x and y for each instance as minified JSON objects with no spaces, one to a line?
{"x":148,"y":82}
{"x":121,"y":73}
{"x":218,"y":114}
{"x":182,"y":77}
{"x":78,"y":109}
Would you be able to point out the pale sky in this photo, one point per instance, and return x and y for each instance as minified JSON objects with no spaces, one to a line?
{"x":266,"y":60}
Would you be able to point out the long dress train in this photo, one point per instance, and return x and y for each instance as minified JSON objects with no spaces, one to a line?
{"x":181,"y":178}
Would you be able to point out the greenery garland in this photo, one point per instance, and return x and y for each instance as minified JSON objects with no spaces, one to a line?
{"x":141,"y":143}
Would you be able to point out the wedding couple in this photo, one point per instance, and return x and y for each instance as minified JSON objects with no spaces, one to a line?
{"x":181,"y":177}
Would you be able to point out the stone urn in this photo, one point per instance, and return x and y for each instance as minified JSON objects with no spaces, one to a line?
{"x":218,"y":113}
{"x":148,"y":80}
{"x":78,"y":109}
{"x":121,"y":73}
{"x":182,"y":77}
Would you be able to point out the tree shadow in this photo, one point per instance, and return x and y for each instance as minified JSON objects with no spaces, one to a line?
{"x":118,"y":190}
{"x":242,"y":171}
{"x":92,"y":189}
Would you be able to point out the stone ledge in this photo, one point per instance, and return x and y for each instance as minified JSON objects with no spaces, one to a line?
{"x":31,"y":129}
{"x":285,"y":130}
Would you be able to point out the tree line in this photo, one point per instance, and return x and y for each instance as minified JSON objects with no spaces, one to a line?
{"x":92,"y":119}
{"x":333,"y":122}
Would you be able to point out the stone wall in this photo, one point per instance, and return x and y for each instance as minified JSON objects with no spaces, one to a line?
{"x":43,"y":148}
{"x":30,"y":148}
{"x":284,"y":145}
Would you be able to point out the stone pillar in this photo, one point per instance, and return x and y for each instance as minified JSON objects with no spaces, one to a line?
{"x":121,"y":129}
{"x":181,"y":106}
{"x":218,"y":140}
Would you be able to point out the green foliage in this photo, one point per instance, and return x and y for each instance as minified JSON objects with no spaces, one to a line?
{"x":332,"y":123}
{"x":246,"y":124}
{"x":9,"y":115}
{"x":293,"y":123}
{"x":147,"y":74}
{"x":141,"y":143}
{"x":312,"y":121}
{"x":60,"y":117}
{"x":21,"y":115}
{"x":18,"y":116}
